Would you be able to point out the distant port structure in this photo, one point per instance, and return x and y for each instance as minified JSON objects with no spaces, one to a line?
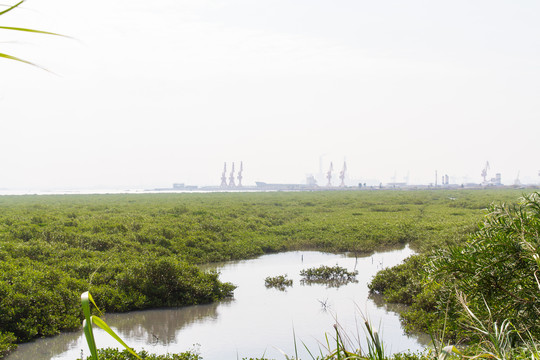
{"x":231,"y":184}
{"x":232,"y":181}
{"x":311,"y":182}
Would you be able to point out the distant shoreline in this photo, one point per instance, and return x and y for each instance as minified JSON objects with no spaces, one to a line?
{"x":260,"y":188}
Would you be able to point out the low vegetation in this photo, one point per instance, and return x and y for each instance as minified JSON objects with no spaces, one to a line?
{"x":280,"y":282}
{"x":333,"y":276}
{"x":115,"y":354}
{"x":141,"y":251}
{"x":484,"y":291}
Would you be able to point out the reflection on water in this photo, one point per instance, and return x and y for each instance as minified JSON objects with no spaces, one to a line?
{"x":150,"y":327}
{"x":258,"y":320}
{"x":422,"y":338}
{"x":161,"y":325}
{"x":47,"y":348}
{"x":327,"y":283}
{"x":379,"y":301}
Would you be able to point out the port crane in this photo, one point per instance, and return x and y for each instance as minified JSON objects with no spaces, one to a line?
{"x":342,"y":174}
{"x":329,"y":175}
{"x":231,"y":177}
{"x":485,"y":170}
{"x":239,"y":177}
{"x":517,"y":182}
{"x":224,"y":176}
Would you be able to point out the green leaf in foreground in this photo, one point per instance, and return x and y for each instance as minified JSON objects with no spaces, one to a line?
{"x":89,"y":320}
{"x":87,"y":323}
{"x":102,"y":324}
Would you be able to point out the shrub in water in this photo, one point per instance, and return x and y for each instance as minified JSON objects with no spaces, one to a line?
{"x":329,"y":275}
{"x":279,"y":282}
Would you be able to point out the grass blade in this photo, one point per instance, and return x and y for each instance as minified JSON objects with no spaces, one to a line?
{"x":10,"y":57}
{"x":30,"y":30}
{"x":11,"y":8}
{"x":295,"y":347}
{"x":309,"y":352}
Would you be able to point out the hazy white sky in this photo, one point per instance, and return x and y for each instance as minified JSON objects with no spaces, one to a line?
{"x":148,"y":93}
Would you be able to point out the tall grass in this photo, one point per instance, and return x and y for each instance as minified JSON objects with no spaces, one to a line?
{"x":496,"y":345}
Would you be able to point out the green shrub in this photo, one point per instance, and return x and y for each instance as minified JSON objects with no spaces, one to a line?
{"x":7,"y":343}
{"x":496,"y":269}
{"x":401,"y":283}
{"x":37,"y":300}
{"x":169,"y":282}
{"x":115,"y":354}
{"x":279,"y":282}
{"x":333,"y":276}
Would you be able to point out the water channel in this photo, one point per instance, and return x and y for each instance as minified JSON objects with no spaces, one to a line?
{"x":258,"y":320}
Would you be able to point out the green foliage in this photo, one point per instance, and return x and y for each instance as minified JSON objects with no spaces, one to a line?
{"x":410,"y":356}
{"x":494,"y":272}
{"x":374,"y":343}
{"x":374,"y":349}
{"x":7,"y":343}
{"x":406,"y":284}
{"x":37,"y":299}
{"x":115,"y":354}
{"x":401,"y":283}
{"x":496,"y":268}
{"x":167,"y":281}
{"x":330,"y":275}
{"x":88,"y":323}
{"x":140,"y":251}
{"x":279,"y":282}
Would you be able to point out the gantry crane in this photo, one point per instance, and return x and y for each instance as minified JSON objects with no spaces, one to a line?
{"x":239,"y":177}
{"x":342,"y":174}
{"x":329,"y":175}
{"x":224,"y":176}
{"x":485,"y":170}
{"x":231,"y":177}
